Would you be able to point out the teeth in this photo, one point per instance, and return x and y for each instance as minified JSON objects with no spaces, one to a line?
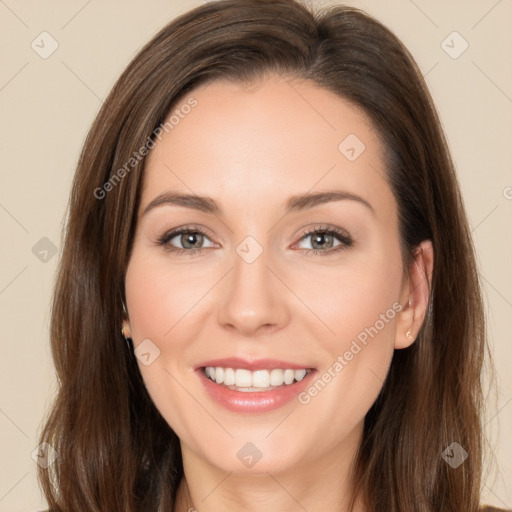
{"x":288,"y":376}
{"x":229,"y":377}
{"x":258,"y":380}
{"x":243,"y":379}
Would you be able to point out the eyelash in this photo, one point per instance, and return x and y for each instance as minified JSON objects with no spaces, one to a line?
{"x":342,"y":236}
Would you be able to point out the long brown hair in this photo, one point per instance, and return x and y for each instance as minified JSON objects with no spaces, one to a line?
{"x":115,"y":451}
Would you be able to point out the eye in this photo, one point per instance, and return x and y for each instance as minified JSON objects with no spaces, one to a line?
{"x":323,"y":240}
{"x":190,"y":238}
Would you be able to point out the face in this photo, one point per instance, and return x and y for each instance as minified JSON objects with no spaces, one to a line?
{"x":268,"y":279}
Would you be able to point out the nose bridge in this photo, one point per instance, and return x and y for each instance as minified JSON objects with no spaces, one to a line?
{"x":252,"y":296}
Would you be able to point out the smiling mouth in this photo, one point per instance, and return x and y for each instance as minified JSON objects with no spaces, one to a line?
{"x":238,"y":379}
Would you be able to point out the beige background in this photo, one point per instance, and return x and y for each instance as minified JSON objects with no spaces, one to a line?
{"x":47,"y":106}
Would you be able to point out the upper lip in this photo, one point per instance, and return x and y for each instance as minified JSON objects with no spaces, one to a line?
{"x":252,"y":365}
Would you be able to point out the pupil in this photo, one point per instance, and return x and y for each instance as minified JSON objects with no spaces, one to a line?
{"x":318,"y":237}
{"x":189,"y":238}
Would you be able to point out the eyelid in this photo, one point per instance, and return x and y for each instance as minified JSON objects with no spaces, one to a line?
{"x":194,"y":228}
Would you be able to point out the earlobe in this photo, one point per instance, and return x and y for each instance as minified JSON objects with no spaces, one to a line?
{"x":126,"y":331}
{"x":415,"y":295}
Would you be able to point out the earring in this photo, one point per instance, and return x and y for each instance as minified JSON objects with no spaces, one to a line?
{"x":409,"y":334}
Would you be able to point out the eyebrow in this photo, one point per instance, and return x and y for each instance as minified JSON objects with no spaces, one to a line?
{"x":294,"y":203}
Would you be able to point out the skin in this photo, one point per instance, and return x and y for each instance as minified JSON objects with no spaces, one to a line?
{"x":250,"y":148}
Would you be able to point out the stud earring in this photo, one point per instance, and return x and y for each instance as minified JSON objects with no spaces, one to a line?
{"x":409,"y":334}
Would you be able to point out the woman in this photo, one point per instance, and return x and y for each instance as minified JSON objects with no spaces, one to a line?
{"x":267,"y":280}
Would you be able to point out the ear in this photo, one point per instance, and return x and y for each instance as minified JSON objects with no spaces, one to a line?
{"x":126,"y":329}
{"x":415,"y":295}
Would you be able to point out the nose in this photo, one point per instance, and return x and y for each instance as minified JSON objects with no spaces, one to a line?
{"x":253,"y":300}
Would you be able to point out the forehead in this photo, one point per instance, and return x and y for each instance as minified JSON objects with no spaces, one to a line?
{"x":260,"y":142}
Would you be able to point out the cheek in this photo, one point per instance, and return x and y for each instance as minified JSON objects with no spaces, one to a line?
{"x":359,"y":305}
{"x":160,"y":300}
{"x":159,"y":295}
{"x":358,"y":299}
{"x":365,"y":302}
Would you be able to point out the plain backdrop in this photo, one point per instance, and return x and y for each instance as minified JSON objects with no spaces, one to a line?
{"x":48,"y":102}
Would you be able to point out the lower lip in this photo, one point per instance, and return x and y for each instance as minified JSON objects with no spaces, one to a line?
{"x":253,"y":401}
